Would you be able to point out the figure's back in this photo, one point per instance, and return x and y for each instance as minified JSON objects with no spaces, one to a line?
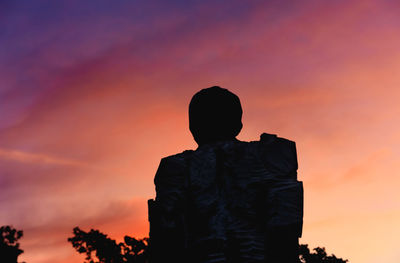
{"x":228,"y":201}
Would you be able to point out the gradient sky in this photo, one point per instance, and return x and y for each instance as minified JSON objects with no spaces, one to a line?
{"x":94,"y":93}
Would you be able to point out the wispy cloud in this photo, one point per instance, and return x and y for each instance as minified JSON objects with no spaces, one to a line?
{"x":39,"y":158}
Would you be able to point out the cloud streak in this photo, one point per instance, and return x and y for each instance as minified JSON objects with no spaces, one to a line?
{"x":25,"y":157}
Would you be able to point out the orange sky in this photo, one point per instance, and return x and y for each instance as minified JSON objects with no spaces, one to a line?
{"x":92,"y":97}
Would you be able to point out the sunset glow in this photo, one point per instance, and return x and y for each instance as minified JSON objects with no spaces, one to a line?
{"x":94,"y":93}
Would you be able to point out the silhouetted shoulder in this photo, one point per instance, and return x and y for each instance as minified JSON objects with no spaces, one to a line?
{"x":170,"y":178}
{"x":172,"y":166}
{"x":278,"y":154}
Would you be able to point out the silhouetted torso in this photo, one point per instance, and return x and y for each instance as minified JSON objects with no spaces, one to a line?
{"x":228,"y":201}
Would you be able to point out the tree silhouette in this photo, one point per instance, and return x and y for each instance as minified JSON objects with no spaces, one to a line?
{"x":9,"y":247}
{"x":101,"y":249}
{"x":320,"y":256}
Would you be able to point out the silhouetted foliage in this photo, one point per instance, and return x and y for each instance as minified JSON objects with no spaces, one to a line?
{"x":320,"y":256}
{"x":9,"y":247}
{"x":101,"y":249}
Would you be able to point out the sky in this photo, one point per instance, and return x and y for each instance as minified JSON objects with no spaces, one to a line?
{"x":94,"y":93}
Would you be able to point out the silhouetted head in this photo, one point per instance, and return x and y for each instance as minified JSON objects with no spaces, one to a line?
{"x":215,"y":114}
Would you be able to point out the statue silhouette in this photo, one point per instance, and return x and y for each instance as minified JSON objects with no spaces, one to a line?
{"x":229,"y":200}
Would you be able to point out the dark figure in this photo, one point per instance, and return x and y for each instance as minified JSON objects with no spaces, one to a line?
{"x":229,"y":200}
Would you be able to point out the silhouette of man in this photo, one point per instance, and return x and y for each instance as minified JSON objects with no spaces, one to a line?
{"x":229,"y":200}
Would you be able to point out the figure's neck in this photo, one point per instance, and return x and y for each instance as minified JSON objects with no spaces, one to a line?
{"x":208,"y":142}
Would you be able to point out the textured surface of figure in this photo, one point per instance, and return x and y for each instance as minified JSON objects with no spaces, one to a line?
{"x":228,"y":201}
